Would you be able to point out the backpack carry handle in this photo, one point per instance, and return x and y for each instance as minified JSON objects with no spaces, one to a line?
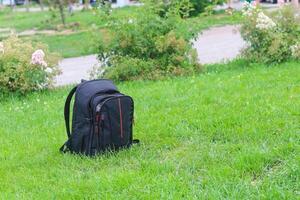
{"x":67,"y":110}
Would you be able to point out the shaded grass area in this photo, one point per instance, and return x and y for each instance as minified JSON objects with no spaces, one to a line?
{"x":224,"y":134}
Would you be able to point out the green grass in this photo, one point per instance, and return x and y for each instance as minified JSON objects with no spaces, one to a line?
{"x":44,"y":20}
{"x":73,"y":45}
{"x":226,"y":134}
{"x":83,"y":43}
{"x":22,"y":20}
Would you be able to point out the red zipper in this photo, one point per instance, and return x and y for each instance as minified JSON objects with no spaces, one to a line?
{"x":121,"y":121}
{"x":97,"y":124}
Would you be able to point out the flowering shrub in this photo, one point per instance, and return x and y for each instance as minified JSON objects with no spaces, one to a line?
{"x":38,"y":58}
{"x":24,"y":67}
{"x":271,"y":38}
{"x":296,"y":51}
{"x":1,"y":48}
{"x":263,"y":22}
{"x":144,"y":48}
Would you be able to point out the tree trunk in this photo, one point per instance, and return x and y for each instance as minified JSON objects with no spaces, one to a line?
{"x":27,"y":4}
{"x":229,"y":3}
{"x":41,"y":5}
{"x":70,"y":7}
{"x":295,"y":3}
{"x":86,"y":4}
{"x":61,"y":11}
{"x":11,"y":4}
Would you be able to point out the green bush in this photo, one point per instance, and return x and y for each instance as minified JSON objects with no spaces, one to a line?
{"x":184,"y":8}
{"x":144,"y":48}
{"x":200,"y":5}
{"x":271,"y":38}
{"x":24,"y":67}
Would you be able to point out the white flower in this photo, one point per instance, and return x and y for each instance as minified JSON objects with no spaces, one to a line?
{"x":41,"y":86}
{"x":249,"y":9}
{"x":37,"y":58}
{"x":247,"y":13}
{"x":264,"y":22}
{"x":130,"y":21}
{"x":247,"y":5}
{"x":1,"y":48}
{"x":295,"y":50}
{"x":48,"y":70}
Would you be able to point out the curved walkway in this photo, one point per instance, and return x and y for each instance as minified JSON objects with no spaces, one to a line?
{"x":219,"y":44}
{"x":75,"y":69}
{"x":214,"y":45}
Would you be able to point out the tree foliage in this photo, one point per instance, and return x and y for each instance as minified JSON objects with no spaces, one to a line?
{"x":184,"y":8}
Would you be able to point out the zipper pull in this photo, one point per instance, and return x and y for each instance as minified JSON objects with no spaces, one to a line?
{"x":97,"y":117}
{"x":97,"y":120}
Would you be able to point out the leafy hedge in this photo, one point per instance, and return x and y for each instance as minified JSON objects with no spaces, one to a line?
{"x":272,"y":38}
{"x":26,"y":67}
{"x":185,"y":8}
{"x":144,"y":48}
{"x":200,"y":5}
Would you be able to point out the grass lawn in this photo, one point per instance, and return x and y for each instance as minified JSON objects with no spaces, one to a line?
{"x":230,"y":133}
{"x":44,"y":20}
{"x":83,"y":43}
{"x":78,"y":44}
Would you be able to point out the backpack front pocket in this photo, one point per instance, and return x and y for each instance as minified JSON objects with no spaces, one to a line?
{"x":105,"y":130}
{"x":121,"y":120}
{"x":117,"y":114}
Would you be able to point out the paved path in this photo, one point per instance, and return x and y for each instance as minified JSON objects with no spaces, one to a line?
{"x":214,"y":45}
{"x":76,"y":7}
{"x":219,"y":44}
{"x":75,"y":69}
{"x":240,"y":5}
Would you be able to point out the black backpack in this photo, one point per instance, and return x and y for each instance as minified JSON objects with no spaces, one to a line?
{"x":102,"y":119}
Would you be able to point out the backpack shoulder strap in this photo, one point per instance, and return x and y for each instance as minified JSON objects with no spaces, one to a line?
{"x":67,"y":110}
